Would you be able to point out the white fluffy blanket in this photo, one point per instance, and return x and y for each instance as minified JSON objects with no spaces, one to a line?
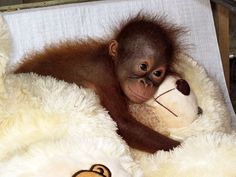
{"x":50,"y":128}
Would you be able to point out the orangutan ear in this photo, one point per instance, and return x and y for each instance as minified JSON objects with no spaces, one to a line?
{"x":113,"y":46}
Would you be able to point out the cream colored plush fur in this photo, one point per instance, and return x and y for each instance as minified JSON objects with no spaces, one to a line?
{"x":50,"y":128}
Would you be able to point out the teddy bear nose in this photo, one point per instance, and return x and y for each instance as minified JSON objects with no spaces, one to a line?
{"x":183,"y":87}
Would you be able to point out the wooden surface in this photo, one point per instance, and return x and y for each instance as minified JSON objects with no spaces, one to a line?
{"x":39,"y":4}
{"x":229,"y":4}
{"x":221,"y":15}
{"x":10,"y":2}
{"x":30,"y":1}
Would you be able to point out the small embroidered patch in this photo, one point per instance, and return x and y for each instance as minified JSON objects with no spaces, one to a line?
{"x":96,"y":170}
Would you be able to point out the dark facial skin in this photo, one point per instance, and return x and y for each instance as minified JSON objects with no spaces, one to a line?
{"x":129,"y":67}
{"x":141,"y":74}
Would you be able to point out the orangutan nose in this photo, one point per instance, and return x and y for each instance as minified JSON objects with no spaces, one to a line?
{"x":145,"y":82}
{"x":183,"y":86}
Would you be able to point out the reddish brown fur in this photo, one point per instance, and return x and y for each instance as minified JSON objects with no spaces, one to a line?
{"x":90,"y":64}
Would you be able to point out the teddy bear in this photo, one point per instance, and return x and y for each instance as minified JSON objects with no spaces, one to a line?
{"x":174,"y":105}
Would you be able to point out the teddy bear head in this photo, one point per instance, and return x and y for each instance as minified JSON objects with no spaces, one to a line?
{"x":175,"y":103}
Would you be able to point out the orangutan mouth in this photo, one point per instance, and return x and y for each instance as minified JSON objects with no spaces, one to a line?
{"x":137,"y":96}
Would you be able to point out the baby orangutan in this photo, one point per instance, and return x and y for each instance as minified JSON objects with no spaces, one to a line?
{"x":128,"y":67}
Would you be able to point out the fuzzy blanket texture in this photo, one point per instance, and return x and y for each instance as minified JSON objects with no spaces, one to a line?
{"x":51,"y":128}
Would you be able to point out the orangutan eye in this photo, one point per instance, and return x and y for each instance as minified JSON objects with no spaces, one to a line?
{"x":157,"y":73}
{"x":143,"y":67}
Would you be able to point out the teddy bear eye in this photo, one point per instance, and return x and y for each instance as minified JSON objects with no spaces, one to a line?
{"x":183,"y":86}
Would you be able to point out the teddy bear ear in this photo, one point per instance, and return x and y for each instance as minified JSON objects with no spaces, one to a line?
{"x":96,"y":170}
{"x":183,"y":86}
{"x":101,"y":169}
